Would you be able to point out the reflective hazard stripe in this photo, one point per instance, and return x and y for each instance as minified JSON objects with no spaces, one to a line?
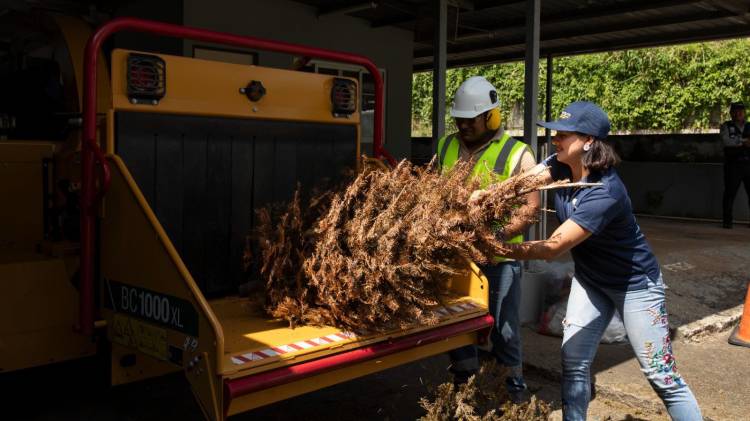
{"x":442,"y":148}
{"x":515,"y":157}
{"x":502,"y":157}
{"x":333,"y":338}
{"x":275,"y":351}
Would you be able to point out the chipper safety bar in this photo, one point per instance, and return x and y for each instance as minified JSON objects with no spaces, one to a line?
{"x":234,"y":358}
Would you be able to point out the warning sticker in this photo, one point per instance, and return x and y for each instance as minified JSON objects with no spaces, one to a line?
{"x":133,"y":333}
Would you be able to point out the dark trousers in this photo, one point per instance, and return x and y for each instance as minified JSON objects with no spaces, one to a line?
{"x":505,"y":301}
{"x":735,"y":173}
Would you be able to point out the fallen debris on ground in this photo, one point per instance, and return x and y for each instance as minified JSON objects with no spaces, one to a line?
{"x":482,"y":398}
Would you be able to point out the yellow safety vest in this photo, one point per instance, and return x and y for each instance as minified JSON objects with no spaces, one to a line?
{"x":495,"y":165}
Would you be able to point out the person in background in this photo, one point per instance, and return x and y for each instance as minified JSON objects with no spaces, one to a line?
{"x":481,"y":140}
{"x":735,"y":135}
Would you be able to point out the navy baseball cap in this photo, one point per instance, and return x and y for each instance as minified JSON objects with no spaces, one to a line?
{"x":582,"y":117}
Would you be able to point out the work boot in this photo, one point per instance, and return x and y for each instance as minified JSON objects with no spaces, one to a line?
{"x":517,"y":389}
{"x":520,"y":397}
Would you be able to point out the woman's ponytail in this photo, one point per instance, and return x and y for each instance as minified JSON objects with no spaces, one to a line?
{"x":600,"y":157}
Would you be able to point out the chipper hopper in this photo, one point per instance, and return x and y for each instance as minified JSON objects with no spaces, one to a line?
{"x":191,"y":148}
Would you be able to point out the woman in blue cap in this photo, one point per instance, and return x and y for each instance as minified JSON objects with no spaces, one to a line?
{"x":615,"y":268}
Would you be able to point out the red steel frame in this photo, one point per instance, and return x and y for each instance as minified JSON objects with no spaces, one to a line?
{"x":91,"y":153}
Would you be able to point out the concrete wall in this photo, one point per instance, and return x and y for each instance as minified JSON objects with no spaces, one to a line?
{"x":676,"y":174}
{"x":669,"y":147}
{"x":679,"y":189}
{"x":390,"y":48}
{"x":163,"y":11}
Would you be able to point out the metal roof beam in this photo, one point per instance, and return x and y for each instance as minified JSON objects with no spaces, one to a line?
{"x":519,"y":40}
{"x":462,"y":4}
{"x":416,"y":13}
{"x":739,"y":8}
{"x":343,"y":10}
{"x":409,"y":13}
{"x":587,"y":13}
{"x":684,"y":37}
{"x":612,"y":10}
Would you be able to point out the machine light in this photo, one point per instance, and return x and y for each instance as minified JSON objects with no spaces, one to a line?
{"x":146,"y":78}
{"x":344,"y":97}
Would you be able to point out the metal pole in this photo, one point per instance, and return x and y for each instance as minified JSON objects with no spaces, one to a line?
{"x":544,"y":150}
{"x":548,"y":97}
{"x":440,"y":50}
{"x":531,"y":81}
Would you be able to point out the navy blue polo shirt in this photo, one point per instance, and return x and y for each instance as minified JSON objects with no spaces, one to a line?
{"x":616,"y":255}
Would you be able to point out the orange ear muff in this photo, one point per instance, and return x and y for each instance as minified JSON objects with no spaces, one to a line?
{"x":493,"y":119}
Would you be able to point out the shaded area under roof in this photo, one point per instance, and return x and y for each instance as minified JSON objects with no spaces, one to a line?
{"x":492,"y":31}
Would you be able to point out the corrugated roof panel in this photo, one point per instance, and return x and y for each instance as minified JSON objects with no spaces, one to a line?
{"x":568,"y":26}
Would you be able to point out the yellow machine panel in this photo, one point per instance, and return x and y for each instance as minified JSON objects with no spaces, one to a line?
{"x":38,"y":310}
{"x":192,"y":87}
{"x":151,"y":302}
{"x":21,"y":186}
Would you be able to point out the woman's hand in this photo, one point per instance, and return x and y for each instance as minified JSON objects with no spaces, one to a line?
{"x":476,"y":196}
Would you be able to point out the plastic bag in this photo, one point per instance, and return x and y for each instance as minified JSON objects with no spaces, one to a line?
{"x":556,"y":303}
{"x":551,"y":323}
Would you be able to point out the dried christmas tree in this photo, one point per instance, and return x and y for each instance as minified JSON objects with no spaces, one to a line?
{"x":380,"y":256}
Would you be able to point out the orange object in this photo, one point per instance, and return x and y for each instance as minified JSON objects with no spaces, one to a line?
{"x":741,"y":334}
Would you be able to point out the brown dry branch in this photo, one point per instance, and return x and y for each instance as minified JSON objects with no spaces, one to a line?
{"x":381,"y":255}
{"x":482,"y":398}
{"x":284,"y":245}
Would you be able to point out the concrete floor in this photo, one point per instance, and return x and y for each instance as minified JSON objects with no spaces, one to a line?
{"x":706,"y":269}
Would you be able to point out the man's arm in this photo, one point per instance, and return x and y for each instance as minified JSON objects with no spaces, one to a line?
{"x":565,"y":237}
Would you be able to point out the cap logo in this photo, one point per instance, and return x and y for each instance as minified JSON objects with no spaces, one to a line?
{"x":564,"y":115}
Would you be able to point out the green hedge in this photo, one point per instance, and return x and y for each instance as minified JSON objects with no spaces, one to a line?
{"x":666,"y":88}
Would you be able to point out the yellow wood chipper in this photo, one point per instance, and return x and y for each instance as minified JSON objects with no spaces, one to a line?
{"x":130,"y":201}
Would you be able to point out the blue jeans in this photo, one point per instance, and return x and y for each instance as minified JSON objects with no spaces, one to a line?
{"x":505,"y":297}
{"x":644,"y":314}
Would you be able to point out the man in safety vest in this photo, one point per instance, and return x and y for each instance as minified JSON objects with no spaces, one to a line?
{"x":482,"y":140}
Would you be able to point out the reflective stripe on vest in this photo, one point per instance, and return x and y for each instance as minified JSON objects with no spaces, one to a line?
{"x":498,"y":161}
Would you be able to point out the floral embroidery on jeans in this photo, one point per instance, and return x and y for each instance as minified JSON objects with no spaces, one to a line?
{"x":659,"y":316}
{"x":663,"y":363}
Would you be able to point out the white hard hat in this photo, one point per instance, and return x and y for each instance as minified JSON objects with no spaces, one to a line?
{"x":475,"y":96}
